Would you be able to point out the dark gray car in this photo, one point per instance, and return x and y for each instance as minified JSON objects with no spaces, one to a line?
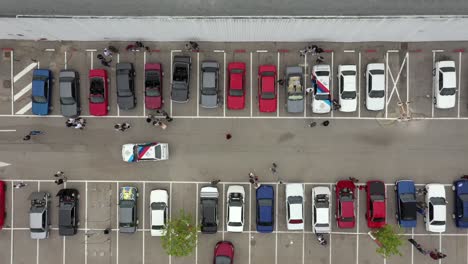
{"x":209,"y":84}
{"x":128,"y":216}
{"x":181,"y":79}
{"x":294,"y":89}
{"x":125,"y":85}
{"x":69,"y":84}
{"x":209,"y":209}
{"x":39,"y":218}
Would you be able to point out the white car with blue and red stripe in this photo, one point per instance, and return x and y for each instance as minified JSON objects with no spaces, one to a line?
{"x":145,"y":151}
{"x":321,"y":101}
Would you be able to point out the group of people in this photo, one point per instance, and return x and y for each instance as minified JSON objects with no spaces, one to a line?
{"x":253,"y":179}
{"x":137,"y":46}
{"x":324,"y":123}
{"x":192,"y":46}
{"x":32,"y":133}
{"x":60,"y":178}
{"x":78,"y":123}
{"x":156,"y":121}
{"x":434,"y":254}
{"x":311,"y":49}
{"x":121,"y":127}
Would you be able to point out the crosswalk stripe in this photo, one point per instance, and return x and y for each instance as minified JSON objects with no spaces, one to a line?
{"x":22,"y":92}
{"x":24,"y":71}
{"x":24,"y":109}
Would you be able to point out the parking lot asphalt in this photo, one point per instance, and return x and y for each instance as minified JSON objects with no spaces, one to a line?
{"x":428,"y":148}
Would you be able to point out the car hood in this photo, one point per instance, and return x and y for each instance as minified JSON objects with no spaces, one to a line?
{"x":39,"y":235}
{"x":179,"y":95}
{"x":209,"y":229}
{"x":295,"y":106}
{"x":153,"y":102}
{"x":66,"y":231}
{"x":209,"y":101}
{"x":40,"y":108}
{"x":127,"y":229}
{"x":235,"y":102}
{"x":445,"y":101}
{"x":348,"y":105}
{"x":321,"y":106}
{"x":127,"y":102}
{"x":69,"y":110}
{"x":375,"y":104}
{"x":267,"y":106}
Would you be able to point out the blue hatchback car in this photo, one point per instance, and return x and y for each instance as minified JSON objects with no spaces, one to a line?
{"x":265,"y":208}
{"x":406,"y":203}
{"x":41,"y":90}
{"x":460,"y":214}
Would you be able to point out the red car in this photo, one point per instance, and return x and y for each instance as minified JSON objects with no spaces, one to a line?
{"x":153,"y":86}
{"x":345,"y":199}
{"x":2,"y":203}
{"x":375,"y":196}
{"x":224,"y":253}
{"x":236,"y":86}
{"x":98,"y":92}
{"x":267,"y":88}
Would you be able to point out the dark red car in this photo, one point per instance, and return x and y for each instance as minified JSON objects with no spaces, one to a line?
{"x":98,"y":92}
{"x":345,"y":203}
{"x":236,"y":86}
{"x":153,"y":86}
{"x":2,"y":203}
{"x":223,"y":253}
{"x":376,"y":211}
{"x":267,"y":97}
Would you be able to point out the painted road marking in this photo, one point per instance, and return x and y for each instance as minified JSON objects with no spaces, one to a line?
{"x":23,"y":91}
{"x":24,"y":109}
{"x":25,"y":71}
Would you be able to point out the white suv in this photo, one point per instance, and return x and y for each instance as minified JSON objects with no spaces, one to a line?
{"x":295,"y":206}
{"x":347,"y":88}
{"x":321,"y":102}
{"x":375,"y":86}
{"x":444,"y":84}
{"x":321,"y":210}
{"x":235,"y":205}
{"x":435,"y":216}
{"x":159,"y":211}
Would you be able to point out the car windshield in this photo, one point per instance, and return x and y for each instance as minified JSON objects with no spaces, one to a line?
{"x":347,"y":219}
{"x":437,"y":200}
{"x":448,"y":91}
{"x":438,"y":223}
{"x":321,"y":201}
{"x":376,"y":94}
{"x":447,"y":69}
{"x":376,"y":72}
{"x":322,"y":73}
{"x":209,"y":91}
{"x":408,"y":206}
{"x":236,"y":92}
{"x":67,"y":100}
{"x":268,"y":95}
{"x":348,"y":73}
{"x":96,"y":99}
{"x":322,"y":97}
{"x":222,"y":260}
{"x":39,"y":99}
{"x":348,"y":95}
{"x":153,"y":92}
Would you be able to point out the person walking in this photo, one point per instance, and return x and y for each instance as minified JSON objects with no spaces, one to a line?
{"x":354,"y":180}
{"x":228,"y":136}
{"x":59,"y":181}
{"x":79,"y":126}
{"x":27,"y":137}
{"x":320,"y":59}
{"x":312,"y":124}
{"x":59,"y":174}
{"x":118,"y":127}
{"x":107,"y":231}
{"x":125,"y":126}
{"x":464,"y":177}
{"x":107,"y":52}
{"x":19,"y":185}
{"x":325,"y":123}
{"x":215,"y":182}
{"x":434,"y":254}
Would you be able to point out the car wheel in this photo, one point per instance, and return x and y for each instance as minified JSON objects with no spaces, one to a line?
{"x":453,"y":187}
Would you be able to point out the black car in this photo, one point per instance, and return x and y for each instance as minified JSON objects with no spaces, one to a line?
{"x":125,"y":74}
{"x":68,"y":211}
{"x":209,"y":209}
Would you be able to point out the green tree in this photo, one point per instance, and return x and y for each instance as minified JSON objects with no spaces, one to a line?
{"x":389,"y":240}
{"x":180,"y":237}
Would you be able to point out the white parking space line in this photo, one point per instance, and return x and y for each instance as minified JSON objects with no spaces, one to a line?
{"x":86,"y":223}
{"x":12,"y":105}
{"x":224,"y":217}
{"x":433,"y":72}
{"x":386,"y":84}
{"x":303,"y":229}
{"x":3,"y":164}
{"x":251,"y":87}
{"x":276,"y":223}
{"x":359,"y":85}
{"x":349,"y":51}
{"x":143,"y":213}
{"x":250,"y":224}
{"x":25,"y":71}
{"x":459,"y":82}
{"x":262,"y":51}
{"x":277,"y":84}
{"x":196,"y":223}
{"x":117,"y":219}
{"x":305,"y":84}
{"x":37,"y":240}
{"x":63,"y":237}
{"x":26,"y":89}
{"x":118,"y":108}
{"x":357,"y":228}
{"x":24,"y":109}
{"x":198,"y":84}
{"x":170,"y":95}
{"x":92,"y":60}
{"x":144,"y":88}
{"x":170,"y":192}
{"x":65,"y":60}
{"x":331,"y":81}
{"x":330,"y":216}
{"x":412,"y":248}
{"x":11,"y":223}
{"x":407,"y":82}
{"x":224,"y":84}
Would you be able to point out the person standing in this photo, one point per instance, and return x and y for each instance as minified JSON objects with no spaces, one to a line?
{"x":107,"y":52}
{"x":325,"y":123}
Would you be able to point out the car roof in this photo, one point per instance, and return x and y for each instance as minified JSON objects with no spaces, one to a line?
{"x":295,"y":211}
{"x":236,"y":80}
{"x":379,"y":208}
{"x":461,"y":186}
{"x":347,"y":208}
{"x":268,"y":83}
{"x":265,"y":192}
{"x":376,"y":187}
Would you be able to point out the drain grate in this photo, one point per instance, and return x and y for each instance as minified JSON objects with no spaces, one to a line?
{"x":7,"y":54}
{"x":7,"y":84}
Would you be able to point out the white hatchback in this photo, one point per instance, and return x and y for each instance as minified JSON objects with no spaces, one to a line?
{"x":235,"y":211}
{"x":321,"y":102}
{"x":159,"y":211}
{"x":295,"y":206}
{"x":375,"y":86}
{"x":321,"y":210}
{"x":444,"y":84}
{"x":435,"y":215}
{"x":347,"y":88}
